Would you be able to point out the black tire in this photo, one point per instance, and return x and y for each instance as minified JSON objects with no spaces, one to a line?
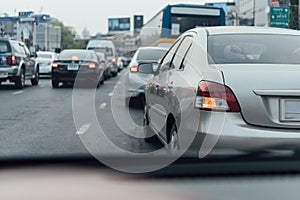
{"x":148,"y":138}
{"x":20,"y":82}
{"x":35,"y":80}
{"x":55,"y":84}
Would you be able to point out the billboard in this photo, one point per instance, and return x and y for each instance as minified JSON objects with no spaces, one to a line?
{"x":118,"y":24}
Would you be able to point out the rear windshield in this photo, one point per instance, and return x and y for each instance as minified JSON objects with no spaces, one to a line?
{"x":4,"y":47}
{"x":46,"y":56}
{"x":254,"y":48}
{"x":76,"y":55}
{"x":106,"y":51}
{"x":151,"y":54}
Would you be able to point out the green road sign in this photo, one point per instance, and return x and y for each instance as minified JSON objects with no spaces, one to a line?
{"x":280,"y":16}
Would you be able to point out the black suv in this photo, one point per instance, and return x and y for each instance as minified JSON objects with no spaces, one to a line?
{"x":16,"y":63}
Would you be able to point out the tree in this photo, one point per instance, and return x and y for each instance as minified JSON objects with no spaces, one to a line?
{"x":67,"y":36}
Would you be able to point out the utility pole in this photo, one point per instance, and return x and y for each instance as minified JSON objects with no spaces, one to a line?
{"x":254,"y":11}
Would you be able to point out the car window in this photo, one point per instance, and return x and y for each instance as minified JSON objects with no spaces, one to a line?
{"x":254,"y":48}
{"x":26,"y":50}
{"x":46,"y":56}
{"x":181,"y":52}
{"x":151,"y":54}
{"x":4,"y":47}
{"x":17,"y":48}
{"x":167,"y":60}
{"x":80,"y":55}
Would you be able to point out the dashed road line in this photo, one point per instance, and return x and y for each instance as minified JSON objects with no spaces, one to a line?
{"x":19,"y":92}
{"x":84,"y":128}
{"x":103,"y":105}
{"x":111,"y":94}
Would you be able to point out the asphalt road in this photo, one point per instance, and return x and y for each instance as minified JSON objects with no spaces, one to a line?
{"x":39,"y":121}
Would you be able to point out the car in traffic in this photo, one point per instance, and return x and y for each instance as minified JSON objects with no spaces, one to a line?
{"x":236,"y":85}
{"x":17,"y":64}
{"x":108,"y":48}
{"x":77,"y":65}
{"x":45,"y":59}
{"x":125,"y":61}
{"x":105,"y":65}
{"x":135,"y":81}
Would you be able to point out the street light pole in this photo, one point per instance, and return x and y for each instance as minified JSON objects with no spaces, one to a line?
{"x":254,"y":12}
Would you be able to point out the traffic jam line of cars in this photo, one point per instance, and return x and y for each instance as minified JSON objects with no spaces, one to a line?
{"x":93,"y":66}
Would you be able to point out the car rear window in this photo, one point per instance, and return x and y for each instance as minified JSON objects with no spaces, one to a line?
{"x":46,"y":56}
{"x":151,"y":54}
{"x":79,"y":55}
{"x":4,"y":47}
{"x":254,"y":48}
{"x":105,"y":50}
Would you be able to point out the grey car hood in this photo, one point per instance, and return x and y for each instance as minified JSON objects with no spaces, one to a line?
{"x":260,"y":88}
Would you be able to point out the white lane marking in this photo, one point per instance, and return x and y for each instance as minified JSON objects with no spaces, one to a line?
{"x":42,"y":86}
{"x":19,"y":92}
{"x":103,"y":105}
{"x":84,"y":128}
{"x":116,"y":87}
{"x":111,"y":94}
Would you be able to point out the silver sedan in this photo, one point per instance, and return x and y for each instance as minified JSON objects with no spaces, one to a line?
{"x":226,"y":88}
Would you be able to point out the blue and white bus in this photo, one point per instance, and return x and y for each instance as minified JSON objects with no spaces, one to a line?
{"x":170,"y":22}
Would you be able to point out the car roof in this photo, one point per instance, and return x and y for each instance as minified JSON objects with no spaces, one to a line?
{"x":220,"y":30}
{"x":153,"y":48}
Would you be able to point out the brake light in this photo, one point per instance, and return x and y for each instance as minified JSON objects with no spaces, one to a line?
{"x":11,"y":60}
{"x":134,"y":69}
{"x":92,"y":66}
{"x":216,"y":97}
{"x":54,"y":65}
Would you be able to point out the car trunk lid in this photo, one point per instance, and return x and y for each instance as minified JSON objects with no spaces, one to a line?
{"x":269,"y":95}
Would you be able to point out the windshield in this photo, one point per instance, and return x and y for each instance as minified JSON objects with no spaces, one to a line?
{"x":46,"y":56}
{"x":107,"y":51}
{"x":75,"y":55}
{"x":254,"y":48}
{"x":167,"y":80}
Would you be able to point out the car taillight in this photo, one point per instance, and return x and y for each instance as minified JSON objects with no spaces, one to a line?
{"x":134,"y":69}
{"x":92,"y":66}
{"x":11,"y":60}
{"x":216,"y":97}
{"x":89,"y":65}
{"x":54,"y":65}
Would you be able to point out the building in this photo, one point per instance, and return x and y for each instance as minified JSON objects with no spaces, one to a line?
{"x":35,"y":30}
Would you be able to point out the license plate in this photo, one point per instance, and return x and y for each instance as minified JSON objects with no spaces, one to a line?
{"x":3,"y":75}
{"x":73,"y":67}
{"x":290,"y":110}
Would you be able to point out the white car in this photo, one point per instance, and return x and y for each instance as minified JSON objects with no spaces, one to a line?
{"x":45,"y":60}
{"x":135,"y":80}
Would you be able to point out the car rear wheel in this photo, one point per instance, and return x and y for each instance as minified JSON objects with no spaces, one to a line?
{"x":20,"y":83}
{"x":55,"y":84}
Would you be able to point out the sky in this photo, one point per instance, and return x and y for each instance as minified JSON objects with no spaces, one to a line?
{"x":90,"y":14}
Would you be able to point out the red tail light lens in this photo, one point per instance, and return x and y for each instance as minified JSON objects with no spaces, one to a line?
{"x":216,"y":97}
{"x":134,"y":69}
{"x":11,"y":60}
{"x":54,"y":65}
{"x":92,"y":66}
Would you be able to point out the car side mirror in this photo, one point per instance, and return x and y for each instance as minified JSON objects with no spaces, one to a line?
{"x":147,"y":68}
